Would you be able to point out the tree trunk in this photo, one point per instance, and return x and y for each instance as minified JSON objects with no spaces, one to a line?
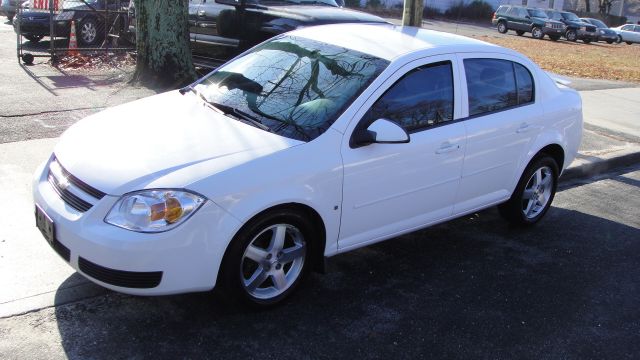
{"x":163,"y":45}
{"x":412,"y":14}
{"x":587,"y":5}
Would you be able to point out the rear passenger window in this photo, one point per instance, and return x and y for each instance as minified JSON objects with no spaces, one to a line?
{"x":421,"y":98}
{"x":494,"y":84}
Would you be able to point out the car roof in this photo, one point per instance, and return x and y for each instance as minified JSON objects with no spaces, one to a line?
{"x":388,"y":41}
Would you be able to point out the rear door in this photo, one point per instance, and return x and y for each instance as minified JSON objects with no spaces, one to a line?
{"x":502,"y":121}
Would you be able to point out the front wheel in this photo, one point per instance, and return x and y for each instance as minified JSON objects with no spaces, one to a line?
{"x":268,"y":258}
{"x":586,"y":41}
{"x":628,"y":42}
{"x":609,"y":41}
{"x":619,"y":40}
{"x":534,"y":193}
{"x":537,"y":33}
{"x":571,"y":35}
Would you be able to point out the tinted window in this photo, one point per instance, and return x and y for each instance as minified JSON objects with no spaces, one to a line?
{"x":494,"y":84}
{"x":627,"y":27}
{"x":524,"y":83}
{"x":421,"y":98}
{"x":502,"y":9}
{"x":537,"y":13}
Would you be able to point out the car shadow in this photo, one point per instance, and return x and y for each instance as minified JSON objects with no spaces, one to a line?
{"x":470,"y":287}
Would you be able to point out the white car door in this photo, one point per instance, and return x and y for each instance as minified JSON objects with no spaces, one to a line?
{"x":390,"y":189}
{"x":503,"y":120}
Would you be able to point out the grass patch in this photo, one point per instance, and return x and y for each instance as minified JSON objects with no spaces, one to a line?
{"x":594,"y":61}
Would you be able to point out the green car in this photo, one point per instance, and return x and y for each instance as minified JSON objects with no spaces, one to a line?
{"x":523,"y":19}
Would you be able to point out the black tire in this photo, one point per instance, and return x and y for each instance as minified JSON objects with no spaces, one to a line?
{"x":27,"y":59}
{"x":34,"y":38}
{"x":519,"y":32}
{"x":235,"y":271}
{"x":502,"y":27}
{"x":554,"y":37}
{"x":571,"y":35}
{"x":628,"y":42}
{"x":88,"y":33}
{"x":515,"y":208}
{"x":536,"y":33}
{"x":619,"y":40}
{"x":609,"y":41}
{"x":586,"y":41}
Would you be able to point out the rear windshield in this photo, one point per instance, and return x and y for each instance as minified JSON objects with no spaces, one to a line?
{"x":570,"y":16}
{"x":598,"y":23}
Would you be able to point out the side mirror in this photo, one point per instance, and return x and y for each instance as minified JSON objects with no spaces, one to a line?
{"x":381,"y":131}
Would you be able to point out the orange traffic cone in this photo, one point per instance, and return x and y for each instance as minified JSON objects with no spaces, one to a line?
{"x":73,"y":42}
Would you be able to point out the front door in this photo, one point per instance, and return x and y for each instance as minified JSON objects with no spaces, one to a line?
{"x":390,"y":189}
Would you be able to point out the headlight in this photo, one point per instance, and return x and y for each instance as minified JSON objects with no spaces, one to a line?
{"x":601,"y":32}
{"x":583,"y":28}
{"x":547,"y":24}
{"x":153,"y":210}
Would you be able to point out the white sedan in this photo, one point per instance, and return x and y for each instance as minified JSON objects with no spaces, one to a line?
{"x":628,"y":33}
{"x":314,"y":143}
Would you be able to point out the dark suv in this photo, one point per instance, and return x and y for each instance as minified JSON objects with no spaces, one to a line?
{"x":523,"y":19}
{"x":576,"y":29}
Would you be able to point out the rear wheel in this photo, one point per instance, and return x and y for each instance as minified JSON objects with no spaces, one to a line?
{"x":628,"y":42}
{"x":534,"y":193}
{"x":537,"y":33}
{"x":89,"y":34}
{"x":268,"y":258}
{"x":586,"y":41}
{"x":519,"y":32}
{"x":502,"y":27}
{"x":609,"y":41}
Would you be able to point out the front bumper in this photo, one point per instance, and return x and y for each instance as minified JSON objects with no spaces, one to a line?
{"x":553,"y":31}
{"x":609,"y":37}
{"x":41,"y":27}
{"x":184,"y":259}
{"x":583,"y":34}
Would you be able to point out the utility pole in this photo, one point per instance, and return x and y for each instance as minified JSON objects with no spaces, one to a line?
{"x":412,"y":14}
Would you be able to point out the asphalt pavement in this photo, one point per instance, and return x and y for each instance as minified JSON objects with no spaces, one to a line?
{"x":470,"y":288}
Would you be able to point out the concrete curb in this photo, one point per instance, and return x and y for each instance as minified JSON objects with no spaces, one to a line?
{"x":600,"y":166}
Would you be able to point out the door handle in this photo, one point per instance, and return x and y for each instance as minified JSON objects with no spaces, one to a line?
{"x":447,"y":148}
{"x":524,"y":128}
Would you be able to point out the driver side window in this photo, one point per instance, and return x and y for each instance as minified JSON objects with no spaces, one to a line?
{"x":420,"y":99}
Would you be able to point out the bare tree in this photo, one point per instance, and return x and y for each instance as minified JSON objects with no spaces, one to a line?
{"x":162,"y":37}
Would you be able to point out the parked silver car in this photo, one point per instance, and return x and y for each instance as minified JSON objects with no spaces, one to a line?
{"x":628,"y":33}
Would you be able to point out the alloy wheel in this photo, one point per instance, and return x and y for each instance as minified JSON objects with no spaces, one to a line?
{"x":537,"y":192}
{"x":273,"y":261}
{"x":88,"y":32}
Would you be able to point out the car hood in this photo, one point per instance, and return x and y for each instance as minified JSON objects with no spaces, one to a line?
{"x":317,"y":15}
{"x":167,"y":140}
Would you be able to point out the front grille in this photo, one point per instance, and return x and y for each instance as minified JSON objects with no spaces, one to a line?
{"x":67,"y":196}
{"x":62,"y":250}
{"x":129,"y":279}
{"x":70,"y":188}
{"x":556,"y":26}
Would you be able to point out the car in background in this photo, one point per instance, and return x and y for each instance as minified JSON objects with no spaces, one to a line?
{"x":90,"y":16}
{"x":522,"y":20}
{"x":221,"y":29}
{"x":9,"y":8}
{"x":628,"y":33}
{"x":316,"y":142}
{"x":604,"y":32}
{"x":576,"y":29}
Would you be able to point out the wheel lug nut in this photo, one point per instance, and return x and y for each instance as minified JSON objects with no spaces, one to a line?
{"x":278,"y":266}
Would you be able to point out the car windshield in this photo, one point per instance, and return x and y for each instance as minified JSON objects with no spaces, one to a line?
{"x":598,"y":23}
{"x":570,"y":16}
{"x":537,"y":13}
{"x":554,"y":15}
{"x":292,"y":86}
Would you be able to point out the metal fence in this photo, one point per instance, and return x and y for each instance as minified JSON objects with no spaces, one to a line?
{"x":99,"y":26}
